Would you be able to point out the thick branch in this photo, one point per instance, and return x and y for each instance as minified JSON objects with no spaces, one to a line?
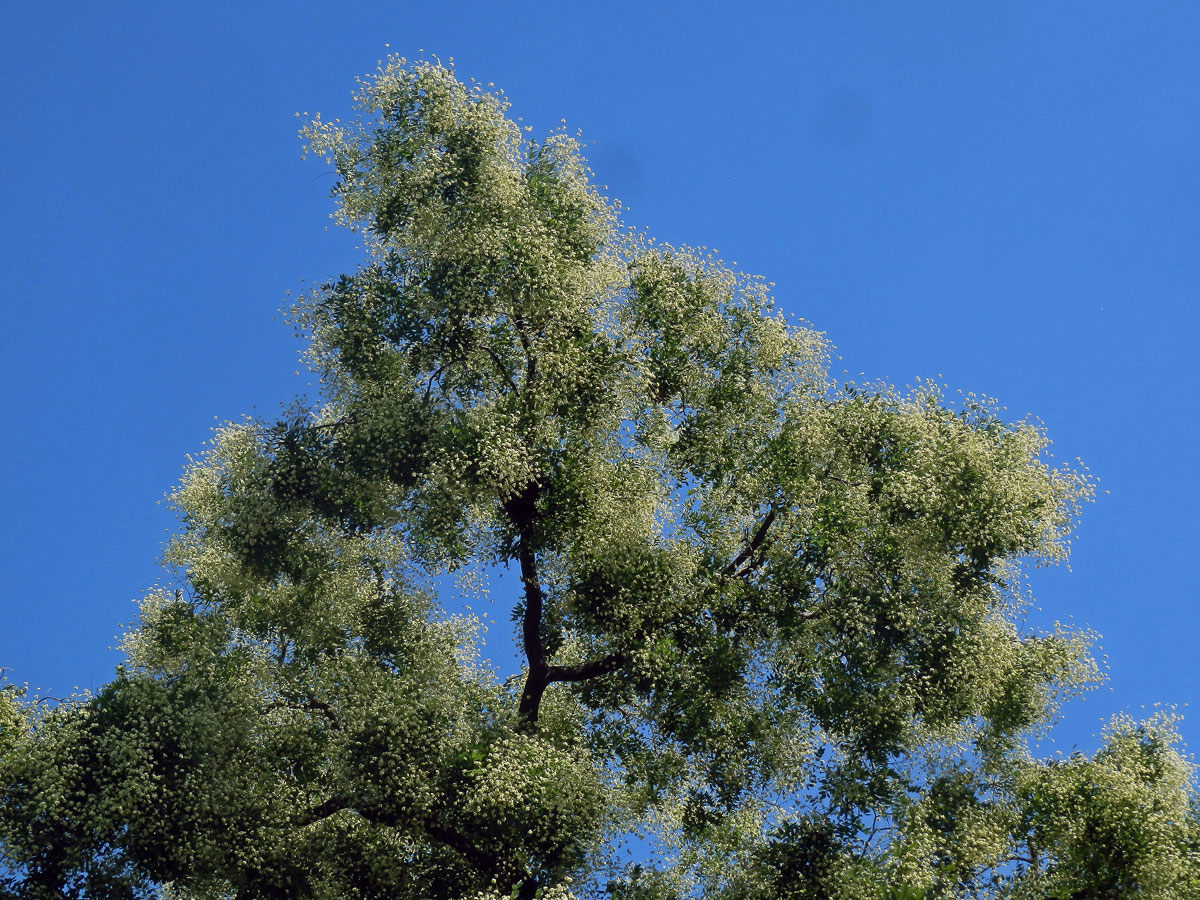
{"x":756,"y":542}
{"x":456,"y":841}
{"x":528,"y":889}
{"x":336,"y":424}
{"x":308,"y":703}
{"x":530,"y":359}
{"x":432,"y":378}
{"x":531,"y":624}
{"x":330,"y":807}
{"x":503,"y":369}
{"x":442,"y":833}
{"x":521,"y":509}
{"x":593,"y":669}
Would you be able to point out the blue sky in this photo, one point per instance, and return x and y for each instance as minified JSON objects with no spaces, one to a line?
{"x":1005,"y":195}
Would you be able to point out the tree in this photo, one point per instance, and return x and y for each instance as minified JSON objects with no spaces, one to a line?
{"x":769,"y":620}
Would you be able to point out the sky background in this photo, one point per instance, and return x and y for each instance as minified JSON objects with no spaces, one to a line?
{"x":1003,"y":195}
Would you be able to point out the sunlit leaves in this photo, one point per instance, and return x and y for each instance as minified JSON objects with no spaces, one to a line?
{"x":773,"y":620}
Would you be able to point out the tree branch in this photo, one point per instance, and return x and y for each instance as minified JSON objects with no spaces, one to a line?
{"x":531,"y":624}
{"x":530,"y":360}
{"x":755,"y":543}
{"x":336,"y":424}
{"x":456,"y":841}
{"x":507,"y":375}
{"x":330,"y":807}
{"x":442,"y":833}
{"x":593,"y":669}
{"x":521,"y":509}
{"x":527,"y":889}
{"x":308,"y":703}
{"x":433,"y":376}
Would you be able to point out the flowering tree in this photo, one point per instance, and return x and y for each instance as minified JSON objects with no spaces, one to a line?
{"x":769,"y":621}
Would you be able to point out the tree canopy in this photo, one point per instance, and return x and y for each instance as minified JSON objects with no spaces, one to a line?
{"x":770,"y":623}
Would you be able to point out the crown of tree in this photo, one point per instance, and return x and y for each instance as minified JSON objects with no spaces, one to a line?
{"x":769,"y":621}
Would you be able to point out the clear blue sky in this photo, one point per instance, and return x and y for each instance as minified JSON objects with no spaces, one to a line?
{"x":1004,"y":194}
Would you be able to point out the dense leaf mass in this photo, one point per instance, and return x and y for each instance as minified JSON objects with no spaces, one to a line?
{"x":770,"y":622}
